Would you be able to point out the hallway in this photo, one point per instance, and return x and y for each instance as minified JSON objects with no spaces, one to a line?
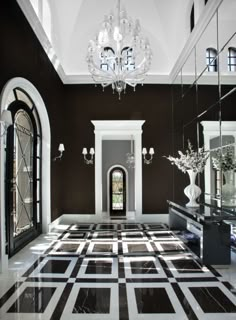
{"x":115,"y":271}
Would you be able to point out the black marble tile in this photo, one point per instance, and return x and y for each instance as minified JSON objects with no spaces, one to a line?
{"x":143,"y":267}
{"x":132,"y":247}
{"x":93,"y":300}
{"x":172,"y":247}
{"x":107,"y":227}
{"x":167,"y":235}
{"x":81,"y":227}
{"x":187,"y":266}
{"x":130,"y":226}
{"x":55,"y":266}
{"x":33,"y":300}
{"x":68,"y":247}
{"x":98,"y":267}
{"x":157,"y":227}
{"x":76,"y":236}
{"x":212,"y":300}
{"x":133,"y":235}
{"x":104,"y":235}
{"x":123,"y":303}
{"x":102,"y":247}
{"x":147,"y":299}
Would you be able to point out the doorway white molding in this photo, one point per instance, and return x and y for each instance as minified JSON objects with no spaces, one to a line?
{"x":118,"y":130}
{"x":6,"y":98}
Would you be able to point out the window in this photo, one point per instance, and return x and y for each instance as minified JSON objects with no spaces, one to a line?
{"x":232,"y":59}
{"x":108,"y":59}
{"x":211,"y":59}
{"x":192,"y":22}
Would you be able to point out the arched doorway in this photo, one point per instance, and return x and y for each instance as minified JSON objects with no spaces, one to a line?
{"x":23,"y":174}
{"x":31,"y":97}
{"x":117,"y":191}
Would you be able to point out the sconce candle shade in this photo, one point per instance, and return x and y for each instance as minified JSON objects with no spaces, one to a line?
{"x":151,"y":151}
{"x":84,"y":151}
{"x":144,"y":151}
{"x":91,"y":151}
{"x":61,"y":147}
{"x":6,"y":117}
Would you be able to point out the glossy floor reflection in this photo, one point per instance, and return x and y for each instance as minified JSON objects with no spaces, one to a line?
{"x":115,"y":271}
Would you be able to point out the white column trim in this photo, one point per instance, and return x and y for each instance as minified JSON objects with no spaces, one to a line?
{"x":118,"y":130}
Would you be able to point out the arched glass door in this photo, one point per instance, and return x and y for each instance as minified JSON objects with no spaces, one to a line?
{"x":23,"y":210}
{"x":117,"y":191}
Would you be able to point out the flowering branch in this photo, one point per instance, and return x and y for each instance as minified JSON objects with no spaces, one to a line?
{"x":224,"y":161}
{"x":192,"y":160}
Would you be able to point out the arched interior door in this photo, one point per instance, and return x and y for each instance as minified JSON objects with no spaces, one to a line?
{"x":23,"y":216}
{"x":117,"y":191}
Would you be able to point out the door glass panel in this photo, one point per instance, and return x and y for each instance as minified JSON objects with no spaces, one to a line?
{"x":117,"y":190}
{"x":22,"y":173}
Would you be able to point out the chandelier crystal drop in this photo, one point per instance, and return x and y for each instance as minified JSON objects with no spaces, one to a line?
{"x":119,"y":55}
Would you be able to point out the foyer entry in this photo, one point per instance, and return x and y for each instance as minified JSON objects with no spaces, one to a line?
{"x":110,"y":135}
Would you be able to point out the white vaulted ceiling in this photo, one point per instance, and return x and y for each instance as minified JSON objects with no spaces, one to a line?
{"x":64,"y":28}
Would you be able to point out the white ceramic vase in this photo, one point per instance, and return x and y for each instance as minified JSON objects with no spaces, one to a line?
{"x":192,"y":191}
{"x":228,"y":189}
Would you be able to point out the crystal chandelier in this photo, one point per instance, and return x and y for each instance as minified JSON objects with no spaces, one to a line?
{"x":130,"y":156}
{"x":119,"y":55}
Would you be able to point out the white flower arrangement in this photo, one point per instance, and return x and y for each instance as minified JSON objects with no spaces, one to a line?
{"x":192,"y":160}
{"x":224,"y":161}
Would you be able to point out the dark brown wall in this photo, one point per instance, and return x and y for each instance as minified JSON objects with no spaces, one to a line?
{"x":21,"y":55}
{"x":87,"y":102}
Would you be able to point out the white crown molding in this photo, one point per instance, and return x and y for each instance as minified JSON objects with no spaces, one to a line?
{"x":87,"y":79}
{"x":114,"y":125}
{"x":202,"y":23}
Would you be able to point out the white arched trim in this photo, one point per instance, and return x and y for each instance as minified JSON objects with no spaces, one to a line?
{"x":126,"y":182}
{"x":5,"y":99}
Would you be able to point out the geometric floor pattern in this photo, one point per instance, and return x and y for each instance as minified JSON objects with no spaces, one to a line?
{"x":125,"y":271}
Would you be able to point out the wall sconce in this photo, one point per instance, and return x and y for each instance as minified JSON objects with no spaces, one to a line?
{"x":61,"y":149}
{"x":91,"y":152}
{"x":151,"y":153}
{"x":6,"y":120}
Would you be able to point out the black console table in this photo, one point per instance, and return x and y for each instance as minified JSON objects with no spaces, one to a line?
{"x":210,"y":225}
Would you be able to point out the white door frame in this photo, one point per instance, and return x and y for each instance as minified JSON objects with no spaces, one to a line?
{"x":118,"y":130}
{"x":6,"y":98}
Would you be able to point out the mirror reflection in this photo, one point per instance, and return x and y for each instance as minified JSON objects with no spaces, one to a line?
{"x":204,"y":93}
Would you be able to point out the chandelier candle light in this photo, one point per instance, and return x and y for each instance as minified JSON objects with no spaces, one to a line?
{"x":119,"y":55}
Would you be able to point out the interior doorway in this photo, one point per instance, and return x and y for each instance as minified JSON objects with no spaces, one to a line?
{"x":117,"y":191}
{"x":23,"y":176}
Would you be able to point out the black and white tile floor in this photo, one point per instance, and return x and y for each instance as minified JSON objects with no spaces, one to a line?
{"x":112,"y":271}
